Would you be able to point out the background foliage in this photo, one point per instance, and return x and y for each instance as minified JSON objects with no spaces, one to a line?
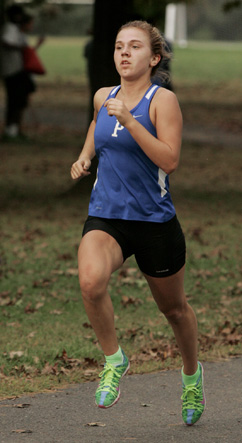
{"x":206,"y":20}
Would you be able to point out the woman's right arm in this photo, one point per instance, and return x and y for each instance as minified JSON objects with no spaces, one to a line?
{"x":80,"y":168}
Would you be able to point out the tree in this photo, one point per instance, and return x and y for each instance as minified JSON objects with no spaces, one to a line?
{"x":2,"y":9}
{"x":107,"y":19}
{"x":231,"y":4}
{"x":109,"y":15}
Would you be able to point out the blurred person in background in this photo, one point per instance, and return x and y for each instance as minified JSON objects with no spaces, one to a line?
{"x":18,"y":83}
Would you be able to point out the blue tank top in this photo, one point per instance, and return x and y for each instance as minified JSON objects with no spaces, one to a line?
{"x":129,"y":185}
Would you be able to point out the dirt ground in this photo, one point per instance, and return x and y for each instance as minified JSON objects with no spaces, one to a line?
{"x":211,"y":116}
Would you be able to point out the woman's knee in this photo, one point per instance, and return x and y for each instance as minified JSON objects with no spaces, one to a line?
{"x":97,"y":260}
{"x":176,"y":313}
{"x":93,"y":281}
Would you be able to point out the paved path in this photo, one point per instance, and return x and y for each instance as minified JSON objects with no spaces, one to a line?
{"x":147,"y":412}
{"x":75,"y":120}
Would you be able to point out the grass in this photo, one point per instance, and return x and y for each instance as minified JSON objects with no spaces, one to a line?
{"x":197,"y":63}
{"x":64,"y":59}
{"x":207,"y":63}
{"x":46,"y":339}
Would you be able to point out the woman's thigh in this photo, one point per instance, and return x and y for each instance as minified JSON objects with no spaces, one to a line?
{"x":168,"y":292}
{"x":99,"y":255}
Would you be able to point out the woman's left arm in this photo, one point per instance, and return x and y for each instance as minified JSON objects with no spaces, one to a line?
{"x":166,"y":116}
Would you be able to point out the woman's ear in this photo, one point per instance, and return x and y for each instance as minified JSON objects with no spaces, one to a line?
{"x":155,"y":60}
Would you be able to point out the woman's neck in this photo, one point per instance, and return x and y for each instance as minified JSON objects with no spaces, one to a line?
{"x":133,"y":89}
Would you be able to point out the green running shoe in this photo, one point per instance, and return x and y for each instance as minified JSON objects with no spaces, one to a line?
{"x":108,"y":391}
{"x":193,"y":398}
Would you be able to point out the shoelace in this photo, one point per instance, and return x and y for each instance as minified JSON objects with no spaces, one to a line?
{"x":108,"y":375}
{"x":189,"y":396}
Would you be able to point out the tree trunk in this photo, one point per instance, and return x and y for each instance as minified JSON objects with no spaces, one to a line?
{"x":109,"y":15}
{"x":2,"y":9}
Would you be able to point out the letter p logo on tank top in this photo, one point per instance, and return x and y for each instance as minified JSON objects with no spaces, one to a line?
{"x":117,"y":128}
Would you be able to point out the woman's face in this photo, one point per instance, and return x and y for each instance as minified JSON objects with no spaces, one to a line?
{"x":133,"y":56}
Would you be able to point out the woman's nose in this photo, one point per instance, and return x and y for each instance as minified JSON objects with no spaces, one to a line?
{"x":125,"y":50}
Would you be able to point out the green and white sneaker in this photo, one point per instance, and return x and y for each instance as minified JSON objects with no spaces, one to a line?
{"x":193,"y":400}
{"x":108,"y":391}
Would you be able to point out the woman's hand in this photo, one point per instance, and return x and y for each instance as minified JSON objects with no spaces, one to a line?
{"x":117,"y":107}
{"x":80,"y":168}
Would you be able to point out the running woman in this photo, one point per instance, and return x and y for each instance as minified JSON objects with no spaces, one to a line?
{"x":136,"y":135}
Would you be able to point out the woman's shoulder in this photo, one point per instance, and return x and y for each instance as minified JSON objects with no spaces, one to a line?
{"x":164,"y":93}
{"x":101,"y":95}
{"x":164,"y":103}
{"x":164,"y":97}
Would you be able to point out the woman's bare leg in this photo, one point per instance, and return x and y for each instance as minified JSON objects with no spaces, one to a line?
{"x":99,"y":255}
{"x":170,"y":297}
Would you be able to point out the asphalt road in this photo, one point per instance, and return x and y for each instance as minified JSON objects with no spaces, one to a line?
{"x":149,"y":411}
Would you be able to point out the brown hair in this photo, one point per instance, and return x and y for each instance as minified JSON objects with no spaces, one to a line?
{"x":157,"y":42}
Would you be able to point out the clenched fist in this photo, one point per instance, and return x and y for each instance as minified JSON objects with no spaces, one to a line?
{"x":80,"y":168}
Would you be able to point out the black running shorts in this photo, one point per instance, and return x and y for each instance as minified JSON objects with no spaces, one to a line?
{"x":159,"y":248}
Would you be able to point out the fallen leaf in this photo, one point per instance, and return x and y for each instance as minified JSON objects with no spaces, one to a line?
{"x":32,"y":334}
{"x":65,"y":256}
{"x":56,"y":312}
{"x":22,"y":405}
{"x":132,"y":333}
{"x":72,"y":271}
{"x":29,"y":309}
{"x":124,"y":272}
{"x":90,"y":362}
{"x":196,"y":235}
{"x":22,"y":431}
{"x":50,"y":369}
{"x":87,"y":325}
{"x":20,"y":290}
{"x":42,"y":283}
{"x":130,"y":301}
{"x":4,"y":294}
{"x":30,"y":235}
{"x":89,"y":372}
{"x":39,"y":305}
{"x":14,"y":354}
{"x":64,"y":371}
{"x":226,"y":331}
{"x":57,"y":272}
{"x":5,"y":301}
